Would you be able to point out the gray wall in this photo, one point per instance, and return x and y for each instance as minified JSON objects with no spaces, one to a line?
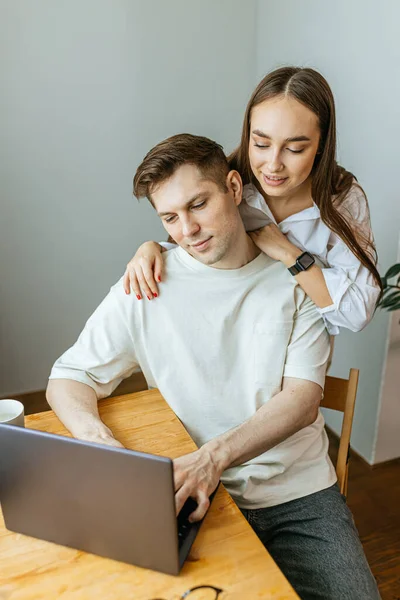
{"x":356,"y":46}
{"x":87,"y":87}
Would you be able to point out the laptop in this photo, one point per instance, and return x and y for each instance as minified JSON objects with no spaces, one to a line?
{"x":109,"y":501}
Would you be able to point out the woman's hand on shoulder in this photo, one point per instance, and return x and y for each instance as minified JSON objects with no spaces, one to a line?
{"x":144,"y":270}
{"x":274,"y":243}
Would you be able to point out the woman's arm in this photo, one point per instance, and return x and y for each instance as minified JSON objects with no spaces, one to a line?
{"x":354,"y":293}
{"x":273,"y":242}
{"x":312,"y":281}
{"x":345,"y":292}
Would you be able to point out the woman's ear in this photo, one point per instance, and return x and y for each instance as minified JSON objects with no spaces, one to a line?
{"x":235,"y":186}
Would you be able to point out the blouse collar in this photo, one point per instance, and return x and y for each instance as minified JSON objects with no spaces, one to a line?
{"x":254,"y":198}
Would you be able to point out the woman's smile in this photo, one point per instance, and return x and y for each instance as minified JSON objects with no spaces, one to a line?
{"x":274,"y":180}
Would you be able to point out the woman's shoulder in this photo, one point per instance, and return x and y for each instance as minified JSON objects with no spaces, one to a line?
{"x":250,"y":191}
{"x":354,"y":205}
{"x":355,"y":210}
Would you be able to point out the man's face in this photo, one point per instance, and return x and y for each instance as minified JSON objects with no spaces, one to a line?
{"x":199,"y":215}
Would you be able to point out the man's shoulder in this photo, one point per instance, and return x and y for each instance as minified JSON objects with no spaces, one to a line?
{"x":118,"y":299}
{"x":173,"y":260}
{"x":177,"y":261}
{"x":171,"y":253}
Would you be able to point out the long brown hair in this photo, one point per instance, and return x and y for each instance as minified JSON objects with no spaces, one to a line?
{"x":330,"y":182}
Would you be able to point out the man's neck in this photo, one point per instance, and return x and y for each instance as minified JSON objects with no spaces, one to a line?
{"x":243,"y":252}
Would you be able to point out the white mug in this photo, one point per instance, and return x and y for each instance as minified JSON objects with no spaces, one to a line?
{"x":12,"y":412}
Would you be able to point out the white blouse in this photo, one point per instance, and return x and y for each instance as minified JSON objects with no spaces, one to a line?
{"x":351,"y":285}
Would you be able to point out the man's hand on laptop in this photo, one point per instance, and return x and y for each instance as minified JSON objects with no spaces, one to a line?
{"x":196,"y":475}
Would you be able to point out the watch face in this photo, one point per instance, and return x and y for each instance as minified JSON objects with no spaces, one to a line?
{"x":306,"y":260}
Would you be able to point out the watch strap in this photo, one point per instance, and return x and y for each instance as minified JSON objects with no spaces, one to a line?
{"x":294,"y":270}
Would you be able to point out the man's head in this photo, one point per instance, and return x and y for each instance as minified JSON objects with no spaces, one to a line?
{"x":188,"y":181}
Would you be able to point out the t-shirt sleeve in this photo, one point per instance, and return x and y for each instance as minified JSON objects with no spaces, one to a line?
{"x":104,"y":353}
{"x":309,"y":345}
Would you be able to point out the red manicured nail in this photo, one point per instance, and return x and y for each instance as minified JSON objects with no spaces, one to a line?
{"x":148,"y":298}
{"x":159,"y":278}
{"x":155,"y":295}
{"x":138,"y":297}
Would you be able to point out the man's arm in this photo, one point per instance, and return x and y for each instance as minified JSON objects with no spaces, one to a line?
{"x":289,"y":411}
{"x":75,"y":404}
{"x":197,"y":474}
{"x":103,"y":355}
{"x":294,"y":408}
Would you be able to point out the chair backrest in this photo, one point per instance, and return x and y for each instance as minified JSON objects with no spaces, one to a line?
{"x":340,"y":394}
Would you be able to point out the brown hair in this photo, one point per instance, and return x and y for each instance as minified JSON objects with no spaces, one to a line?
{"x":164,"y":159}
{"x":331,"y":183}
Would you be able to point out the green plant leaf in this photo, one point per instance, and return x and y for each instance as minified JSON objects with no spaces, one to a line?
{"x":391,"y":299}
{"x":394,"y":307}
{"x":394,"y":270}
{"x":388,"y":292}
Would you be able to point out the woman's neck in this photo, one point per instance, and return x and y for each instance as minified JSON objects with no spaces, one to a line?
{"x":285,"y":206}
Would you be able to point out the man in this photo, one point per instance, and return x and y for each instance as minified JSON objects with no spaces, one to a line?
{"x":239,"y":352}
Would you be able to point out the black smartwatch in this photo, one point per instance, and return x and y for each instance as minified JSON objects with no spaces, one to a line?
{"x":303,"y":262}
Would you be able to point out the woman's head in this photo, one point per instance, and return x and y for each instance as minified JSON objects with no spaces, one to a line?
{"x":291,"y":115}
{"x":288,"y":131}
{"x":283,"y":143}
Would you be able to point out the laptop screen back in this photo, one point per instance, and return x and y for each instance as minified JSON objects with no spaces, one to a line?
{"x":108,"y":501}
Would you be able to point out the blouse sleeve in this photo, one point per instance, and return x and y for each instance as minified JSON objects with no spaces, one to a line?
{"x":253,"y":218}
{"x":351,"y":285}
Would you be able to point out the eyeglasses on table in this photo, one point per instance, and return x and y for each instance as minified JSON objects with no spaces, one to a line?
{"x":199,"y":592}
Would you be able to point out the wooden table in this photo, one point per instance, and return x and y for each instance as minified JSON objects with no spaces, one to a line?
{"x":226,"y":552}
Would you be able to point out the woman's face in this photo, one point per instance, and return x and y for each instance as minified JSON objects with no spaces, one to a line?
{"x":284,"y":138}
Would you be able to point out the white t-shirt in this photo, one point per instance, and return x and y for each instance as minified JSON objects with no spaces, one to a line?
{"x":350,"y":284}
{"x":217,"y":344}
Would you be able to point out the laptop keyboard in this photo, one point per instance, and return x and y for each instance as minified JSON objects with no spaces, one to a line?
{"x":183,"y":530}
{"x":184,"y":526}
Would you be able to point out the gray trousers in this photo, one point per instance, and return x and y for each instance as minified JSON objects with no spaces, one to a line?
{"x":315,"y":543}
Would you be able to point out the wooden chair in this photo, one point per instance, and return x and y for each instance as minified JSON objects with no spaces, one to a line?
{"x":340,"y":394}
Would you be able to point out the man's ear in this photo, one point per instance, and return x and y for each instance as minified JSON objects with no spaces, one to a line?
{"x":235,"y":186}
